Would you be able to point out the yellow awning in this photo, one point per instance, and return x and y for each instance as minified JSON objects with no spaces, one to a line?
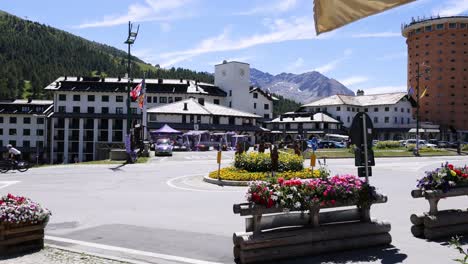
{"x":332,"y":14}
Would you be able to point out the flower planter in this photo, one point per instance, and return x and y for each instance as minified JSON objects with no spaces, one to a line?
{"x":444,"y":182}
{"x":21,"y":238}
{"x":274,"y":232}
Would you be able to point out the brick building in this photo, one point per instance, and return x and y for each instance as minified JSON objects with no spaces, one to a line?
{"x":439,"y":47}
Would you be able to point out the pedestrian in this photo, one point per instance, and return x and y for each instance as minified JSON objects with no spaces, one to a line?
{"x":297,"y":151}
{"x":261,"y":147}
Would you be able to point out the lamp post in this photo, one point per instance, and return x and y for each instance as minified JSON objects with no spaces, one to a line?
{"x":130,"y":41}
{"x":418,"y":75}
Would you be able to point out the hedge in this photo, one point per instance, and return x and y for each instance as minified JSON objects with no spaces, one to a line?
{"x":261,"y":162}
{"x":387,"y":144}
{"x":233,"y":174}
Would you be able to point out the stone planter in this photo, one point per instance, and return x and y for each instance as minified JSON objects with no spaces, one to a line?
{"x":438,"y":224}
{"x":21,"y":238}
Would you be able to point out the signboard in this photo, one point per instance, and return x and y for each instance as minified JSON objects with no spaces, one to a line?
{"x":356,"y":132}
{"x":361,"y":136}
{"x":362,"y":171}
{"x":314,"y":143}
{"x":313,"y":159}
{"x":218,"y":158}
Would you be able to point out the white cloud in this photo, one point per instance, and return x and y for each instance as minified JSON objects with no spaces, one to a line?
{"x":280,"y":6}
{"x":152,"y":10}
{"x":377,"y":35}
{"x":353,"y":80}
{"x":452,"y":8}
{"x":385,"y":89}
{"x":330,"y":66}
{"x":280,"y":31}
{"x":295,"y":65}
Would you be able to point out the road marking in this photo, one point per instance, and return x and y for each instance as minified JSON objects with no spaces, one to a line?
{"x":130,"y":251}
{"x":4,"y":184}
{"x":171,"y":184}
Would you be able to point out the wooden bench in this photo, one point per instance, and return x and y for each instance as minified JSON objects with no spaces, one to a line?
{"x":437,"y":224}
{"x":276,"y":233}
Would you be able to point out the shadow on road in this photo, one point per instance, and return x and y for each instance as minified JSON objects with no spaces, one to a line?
{"x":384,"y":255}
{"x":118,"y":167}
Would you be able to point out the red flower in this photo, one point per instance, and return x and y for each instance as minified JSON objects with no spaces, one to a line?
{"x":458,"y":172}
{"x":450,"y":166}
{"x":270,"y":203}
{"x":325,"y":193}
{"x":464,"y":175}
{"x":280,"y":181}
{"x":333,"y":202}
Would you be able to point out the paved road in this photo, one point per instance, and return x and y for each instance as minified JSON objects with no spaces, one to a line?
{"x":162,"y":211}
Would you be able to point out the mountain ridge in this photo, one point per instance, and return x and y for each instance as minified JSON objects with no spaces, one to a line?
{"x":304,"y":87}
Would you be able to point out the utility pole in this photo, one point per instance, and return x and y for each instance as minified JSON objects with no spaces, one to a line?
{"x":417,"y":110}
{"x":130,"y":41}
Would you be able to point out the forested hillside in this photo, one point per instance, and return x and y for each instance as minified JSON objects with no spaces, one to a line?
{"x":284,"y":105}
{"x":33,"y":55}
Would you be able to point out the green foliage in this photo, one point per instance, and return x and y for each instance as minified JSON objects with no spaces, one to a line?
{"x":261,"y":162}
{"x":455,"y":242}
{"x":387,"y":144}
{"x":465,"y":147}
{"x":283,"y":105}
{"x":40,"y":54}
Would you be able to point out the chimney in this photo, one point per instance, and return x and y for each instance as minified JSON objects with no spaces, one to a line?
{"x":29,"y":100}
{"x":119,"y":78}
{"x":160,"y":81}
{"x":78,"y":78}
{"x":185,"y":107}
{"x":312,"y":117}
{"x":188,"y":82}
{"x":360,"y":92}
{"x":56,"y":84}
{"x":281,"y":118}
{"x":294,"y":118}
{"x":65,"y":78}
{"x":103,"y":79}
{"x":181,"y":80}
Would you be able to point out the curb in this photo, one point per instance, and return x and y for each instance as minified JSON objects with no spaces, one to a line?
{"x":102,"y":256}
{"x":225,"y":182}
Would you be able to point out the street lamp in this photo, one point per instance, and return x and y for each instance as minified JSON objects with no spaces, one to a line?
{"x":427,"y":70}
{"x":132,"y":35}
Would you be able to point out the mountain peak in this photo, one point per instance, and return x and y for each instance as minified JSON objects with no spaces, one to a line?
{"x":303,"y":88}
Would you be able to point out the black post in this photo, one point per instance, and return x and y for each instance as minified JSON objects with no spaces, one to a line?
{"x":129,"y":115}
{"x":417,"y":110}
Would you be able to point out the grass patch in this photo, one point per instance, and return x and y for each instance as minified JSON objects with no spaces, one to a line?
{"x":378,"y":153}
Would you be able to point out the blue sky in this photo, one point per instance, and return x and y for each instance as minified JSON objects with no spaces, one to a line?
{"x":272,"y":35}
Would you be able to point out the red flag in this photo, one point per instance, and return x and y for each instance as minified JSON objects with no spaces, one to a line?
{"x":137,"y":91}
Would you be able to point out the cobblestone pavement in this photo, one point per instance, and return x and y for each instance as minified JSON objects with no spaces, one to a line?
{"x":57,"y":256}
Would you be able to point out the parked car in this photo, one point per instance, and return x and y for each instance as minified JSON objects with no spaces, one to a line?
{"x":421,"y":143}
{"x":330,"y":144}
{"x":163,"y":146}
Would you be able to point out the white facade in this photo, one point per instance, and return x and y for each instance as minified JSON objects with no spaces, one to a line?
{"x":390,"y":113}
{"x":23,"y":124}
{"x":234,"y":78}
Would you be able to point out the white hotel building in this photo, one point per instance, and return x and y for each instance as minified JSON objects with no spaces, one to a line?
{"x":90,"y":113}
{"x":391,"y":113}
{"x":23,"y":124}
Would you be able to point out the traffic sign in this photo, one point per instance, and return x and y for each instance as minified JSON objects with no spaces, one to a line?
{"x":356,"y":132}
{"x":362,"y":171}
{"x":314,"y":143}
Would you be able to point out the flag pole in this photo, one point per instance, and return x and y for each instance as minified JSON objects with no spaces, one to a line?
{"x":143,"y":112}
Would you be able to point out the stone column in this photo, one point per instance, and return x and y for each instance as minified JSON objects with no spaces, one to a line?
{"x":65,"y":139}
{"x":95,"y":136}
{"x":80,"y":139}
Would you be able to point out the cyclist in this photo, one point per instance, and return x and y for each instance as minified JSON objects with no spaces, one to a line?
{"x":13,"y":153}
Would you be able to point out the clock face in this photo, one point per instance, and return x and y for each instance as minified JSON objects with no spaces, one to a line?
{"x":223,"y":73}
{"x":242,"y":72}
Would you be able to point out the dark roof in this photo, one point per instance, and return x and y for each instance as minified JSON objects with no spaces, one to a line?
{"x":26,"y":107}
{"x":118,"y":85}
{"x":269,"y":96}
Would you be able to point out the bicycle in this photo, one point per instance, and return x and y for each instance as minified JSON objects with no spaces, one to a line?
{"x":6,"y":165}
